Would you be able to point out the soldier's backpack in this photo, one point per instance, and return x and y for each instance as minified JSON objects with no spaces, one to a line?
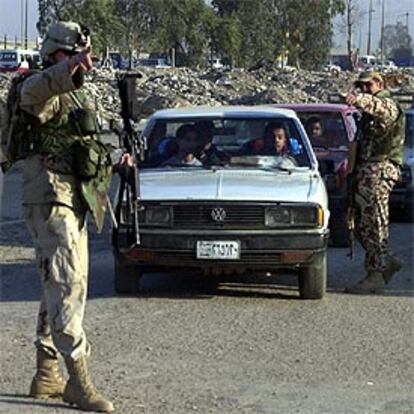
{"x":15,"y":142}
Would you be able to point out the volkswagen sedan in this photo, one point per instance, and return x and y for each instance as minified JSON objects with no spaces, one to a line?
{"x":217,"y":194}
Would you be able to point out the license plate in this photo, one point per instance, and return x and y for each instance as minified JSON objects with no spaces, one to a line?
{"x":218,"y":250}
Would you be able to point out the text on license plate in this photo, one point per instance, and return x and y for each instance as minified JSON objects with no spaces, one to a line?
{"x":218,"y":249}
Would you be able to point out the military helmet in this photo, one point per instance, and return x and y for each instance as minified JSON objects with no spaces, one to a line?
{"x":367,"y":76}
{"x":69,"y":36}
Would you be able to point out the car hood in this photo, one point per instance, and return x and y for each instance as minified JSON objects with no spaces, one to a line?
{"x":228,"y":185}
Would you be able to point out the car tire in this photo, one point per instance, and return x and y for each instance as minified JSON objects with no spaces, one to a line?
{"x":127,"y":278}
{"x":313,"y":278}
{"x":339,"y":228}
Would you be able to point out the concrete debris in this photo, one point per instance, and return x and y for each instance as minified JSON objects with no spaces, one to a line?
{"x":174,"y":87}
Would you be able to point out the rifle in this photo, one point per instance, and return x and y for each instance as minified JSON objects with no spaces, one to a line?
{"x":351,"y":186}
{"x":136,"y":146}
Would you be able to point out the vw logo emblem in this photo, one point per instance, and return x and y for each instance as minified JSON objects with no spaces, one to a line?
{"x":218,"y":214}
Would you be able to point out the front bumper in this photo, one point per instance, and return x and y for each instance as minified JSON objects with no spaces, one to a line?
{"x":259,"y":250}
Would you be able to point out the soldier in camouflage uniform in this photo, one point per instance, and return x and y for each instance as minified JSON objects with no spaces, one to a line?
{"x":378,"y":168}
{"x":57,"y":194}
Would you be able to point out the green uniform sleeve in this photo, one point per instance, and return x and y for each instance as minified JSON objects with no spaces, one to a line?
{"x":40,"y":92}
{"x":384,"y":109}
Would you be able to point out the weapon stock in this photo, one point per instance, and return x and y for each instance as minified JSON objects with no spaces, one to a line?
{"x":132,"y":143}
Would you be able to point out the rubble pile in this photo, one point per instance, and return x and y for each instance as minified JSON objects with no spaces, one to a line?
{"x":167,"y":88}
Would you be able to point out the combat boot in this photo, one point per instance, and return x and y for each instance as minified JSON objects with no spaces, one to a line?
{"x":80,"y":390}
{"x":48,"y":381}
{"x":372,"y":283}
{"x":394,"y":265}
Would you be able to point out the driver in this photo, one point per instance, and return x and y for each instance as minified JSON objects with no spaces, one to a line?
{"x":276,"y":142}
{"x":187,"y":145}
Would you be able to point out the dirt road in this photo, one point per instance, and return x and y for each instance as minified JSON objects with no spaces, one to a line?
{"x":230,"y":345}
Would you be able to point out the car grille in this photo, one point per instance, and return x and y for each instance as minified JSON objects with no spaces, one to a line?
{"x":223,"y":216}
{"x":187,"y":258}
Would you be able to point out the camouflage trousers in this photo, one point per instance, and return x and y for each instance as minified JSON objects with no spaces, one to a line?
{"x":374,"y":181}
{"x":61,"y":242}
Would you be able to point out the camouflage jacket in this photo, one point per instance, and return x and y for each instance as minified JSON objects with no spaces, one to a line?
{"x":382,"y":127}
{"x":49,"y":174}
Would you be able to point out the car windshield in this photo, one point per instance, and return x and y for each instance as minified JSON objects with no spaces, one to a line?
{"x":325,"y":129}
{"x":409,"y":130}
{"x":216,"y":142}
{"x":8,"y":57}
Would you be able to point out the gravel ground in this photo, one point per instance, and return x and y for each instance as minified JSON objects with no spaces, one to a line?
{"x":231,"y":345}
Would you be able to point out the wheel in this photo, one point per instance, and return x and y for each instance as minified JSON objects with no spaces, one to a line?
{"x":313,"y":278}
{"x":339,"y":228}
{"x":127,"y":277}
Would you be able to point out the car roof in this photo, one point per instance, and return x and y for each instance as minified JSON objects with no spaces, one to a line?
{"x":223,"y":112}
{"x":315,"y":107}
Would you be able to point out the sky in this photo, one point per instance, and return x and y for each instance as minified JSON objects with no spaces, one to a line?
{"x":10,"y":20}
{"x":393,"y":11}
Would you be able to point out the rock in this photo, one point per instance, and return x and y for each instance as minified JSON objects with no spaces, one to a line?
{"x":262,"y":84}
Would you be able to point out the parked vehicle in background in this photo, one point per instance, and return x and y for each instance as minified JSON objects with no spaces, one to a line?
{"x":154,"y":63}
{"x":118,"y":61}
{"x":216,"y":63}
{"x":217,"y":197}
{"x":367,"y":61}
{"x":19,"y":60}
{"x":338,"y":130}
{"x":402,"y":196}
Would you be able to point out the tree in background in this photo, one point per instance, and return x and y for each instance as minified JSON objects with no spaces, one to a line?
{"x":182,"y":25}
{"x":273,"y":30}
{"x":352,"y":18}
{"x":97,"y":15}
{"x":55,"y":10}
{"x":226,"y":39}
{"x":134,"y":18}
{"x":309,"y":37}
{"x":242,"y":32}
{"x":396,"y":37}
{"x":256,"y":28}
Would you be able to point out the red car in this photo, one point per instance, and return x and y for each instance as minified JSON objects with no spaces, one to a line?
{"x":331,"y":127}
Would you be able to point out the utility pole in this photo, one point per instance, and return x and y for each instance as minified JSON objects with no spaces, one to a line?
{"x":25,"y":25}
{"x":382,"y":33}
{"x":406,"y":20}
{"x":371,"y":10}
{"x":21,"y":21}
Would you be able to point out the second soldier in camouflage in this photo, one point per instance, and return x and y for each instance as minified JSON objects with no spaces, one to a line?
{"x":378,"y":168}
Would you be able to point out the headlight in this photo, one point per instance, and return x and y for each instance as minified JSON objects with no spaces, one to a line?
{"x":277,"y":216}
{"x":304,"y":215}
{"x":158,"y":216}
{"x":284,"y":216}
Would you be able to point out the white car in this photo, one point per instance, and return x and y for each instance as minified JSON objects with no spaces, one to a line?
{"x":222,"y":199}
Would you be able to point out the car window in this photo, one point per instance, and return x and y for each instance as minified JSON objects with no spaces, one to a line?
{"x":332,"y":129}
{"x":223,"y":142}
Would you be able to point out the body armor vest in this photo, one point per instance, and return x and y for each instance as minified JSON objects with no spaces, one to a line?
{"x":379,"y":143}
{"x":70,"y":143}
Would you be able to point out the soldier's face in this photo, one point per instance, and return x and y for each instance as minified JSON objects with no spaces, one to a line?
{"x":372,"y":87}
{"x":61,"y":55}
